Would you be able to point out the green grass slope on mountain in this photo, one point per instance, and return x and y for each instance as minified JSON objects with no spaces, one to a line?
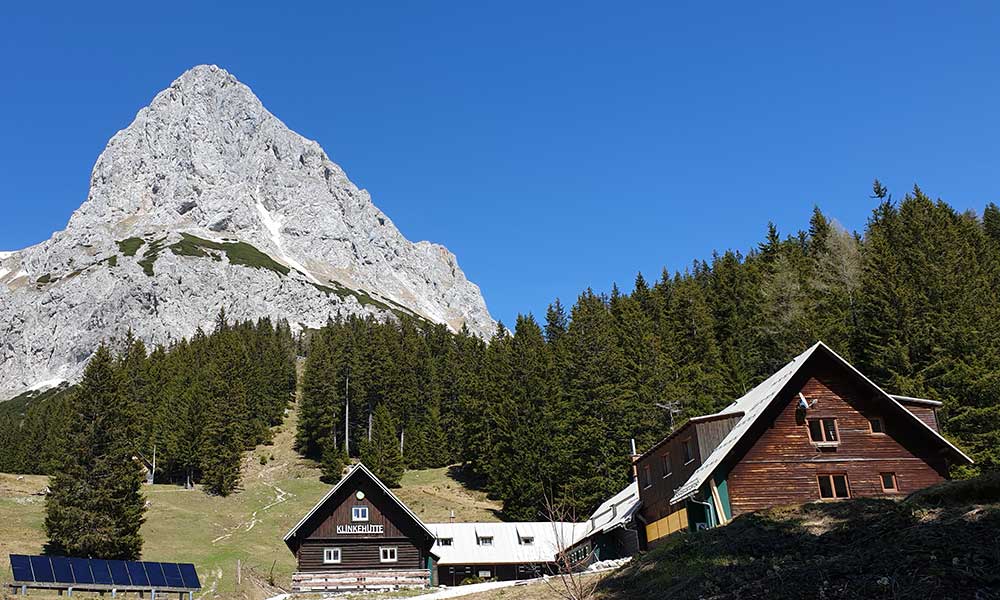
{"x":941,"y":543}
{"x":248,"y":526}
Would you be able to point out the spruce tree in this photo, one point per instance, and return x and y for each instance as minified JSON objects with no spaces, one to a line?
{"x":381,"y":455}
{"x":95,"y":507}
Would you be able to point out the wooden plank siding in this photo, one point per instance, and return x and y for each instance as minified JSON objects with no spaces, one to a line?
{"x":780,"y":466}
{"x":358,"y":555}
{"x":927,"y":414}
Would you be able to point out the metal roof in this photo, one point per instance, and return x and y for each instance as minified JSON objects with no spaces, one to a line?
{"x":753,"y":404}
{"x":508,"y":546}
{"x":615,"y":511}
{"x":356,"y":469}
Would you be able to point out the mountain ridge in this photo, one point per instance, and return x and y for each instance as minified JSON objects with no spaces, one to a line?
{"x":205,"y":200}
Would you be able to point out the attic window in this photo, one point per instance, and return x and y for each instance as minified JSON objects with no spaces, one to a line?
{"x":834,"y":487}
{"x":444,"y":541}
{"x":688,"y":451}
{"x":359,"y":513}
{"x":823,"y":432}
{"x":527,"y":540}
{"x":876,"y":425}
{"x":485,"y":540}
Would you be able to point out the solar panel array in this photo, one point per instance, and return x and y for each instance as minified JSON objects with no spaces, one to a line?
{"x":60,"y":570}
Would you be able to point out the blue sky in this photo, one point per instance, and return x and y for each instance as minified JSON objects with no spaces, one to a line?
{"x":551,"y":146}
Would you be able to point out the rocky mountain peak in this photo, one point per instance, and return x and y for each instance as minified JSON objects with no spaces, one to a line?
{"x":203,"y":178}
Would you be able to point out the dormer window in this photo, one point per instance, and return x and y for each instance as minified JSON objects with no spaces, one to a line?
{"x":527,"y":540}
{"x":445,"y":541}
{"x":359,"y":513}
{"x":486,"y":540}
{"x":823,"y":432}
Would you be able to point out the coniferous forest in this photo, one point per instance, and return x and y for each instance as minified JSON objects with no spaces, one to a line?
{"x":548,"y":409}
{"x":196,"y":406}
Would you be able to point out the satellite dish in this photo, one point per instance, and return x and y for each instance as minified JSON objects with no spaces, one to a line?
{"x":805,"y":404}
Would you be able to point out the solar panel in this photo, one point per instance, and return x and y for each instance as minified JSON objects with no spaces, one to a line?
{"x":173,"y":575}
{"x":21,"y":567}
{"x":42,"y":569}
{"x":81,"y":570}
{"x":101,"y":571}
{"x":61,"y":569}
{"x":190,"y":576}
{"x":119,"y":573}
{"x":137,"y":573}
{"x":154,"y":571}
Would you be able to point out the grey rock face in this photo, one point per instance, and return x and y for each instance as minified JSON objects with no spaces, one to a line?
{"x":202,"y":179}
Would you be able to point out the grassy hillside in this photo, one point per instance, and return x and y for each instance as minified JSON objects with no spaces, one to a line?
{"x":214,"y":532}
{"x":942,"y":543}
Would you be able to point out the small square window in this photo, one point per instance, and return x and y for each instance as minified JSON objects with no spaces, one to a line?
{"x":331,"y":556}
{"x":444,"y":541}
{"x":688,"y":451}
{"x":876,"y":425}
{"x":834,"y":487}
{"x":359,"y":513}
{"x":665,"y":463}
{"x":889,"y":482}
{"x":387,"y":554}
{"x":485,"y":540}
{"x":527,"y":540}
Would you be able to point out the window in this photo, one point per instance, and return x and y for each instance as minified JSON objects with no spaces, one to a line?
{"x":823,"y":432}
{"x":359,"y":513}
{"x":889,"y":482}
{"x":876,"y":425}
{"x":834,"y":487}
{"x":665,"y":463}
{"x":647,"y":479}
{"x":688,"y":452}
{"x":485,"y":540}
{"x":331,"y":556}
{"x":387,"y":554}
{"x":485,"y":574}
{"x":444,"y":541}
{"x":527,"y":540}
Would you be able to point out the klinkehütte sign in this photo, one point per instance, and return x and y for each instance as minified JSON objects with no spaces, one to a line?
{"x":359,"y":529}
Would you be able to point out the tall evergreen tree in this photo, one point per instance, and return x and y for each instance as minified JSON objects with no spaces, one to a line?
{"x":381,"y":455}
{"x":95,"y":507}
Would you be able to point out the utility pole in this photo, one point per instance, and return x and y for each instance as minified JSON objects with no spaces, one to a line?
{"x":672,"y":408}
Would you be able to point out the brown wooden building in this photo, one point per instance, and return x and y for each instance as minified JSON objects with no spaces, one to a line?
{"x":360,"y":536}
{"x":817,"y":430}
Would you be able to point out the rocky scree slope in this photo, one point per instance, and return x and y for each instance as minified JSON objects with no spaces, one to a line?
{"x":208,"y":200}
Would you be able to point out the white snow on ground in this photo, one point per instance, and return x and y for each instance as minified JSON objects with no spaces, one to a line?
{"x":4,"y":255}
{"x":3,"y":273}
{"x":45,"y":385}
{"x":273,"y":225}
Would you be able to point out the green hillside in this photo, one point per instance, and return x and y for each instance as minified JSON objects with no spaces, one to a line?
{"x":248,"y":526}
{"x":941,"y":543}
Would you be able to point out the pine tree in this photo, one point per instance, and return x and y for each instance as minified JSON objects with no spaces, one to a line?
{"x":381,"y":455}
{"x":95,"y":507}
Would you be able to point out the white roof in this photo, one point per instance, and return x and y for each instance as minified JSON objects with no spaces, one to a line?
{"x":333,"y":490}
{"x":753,"y":404}
{"x":507,"y":548}
{"x":615,"y":511}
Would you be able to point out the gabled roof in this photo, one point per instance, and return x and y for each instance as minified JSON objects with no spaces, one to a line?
{"x":753,"y":404}
{"x":355,"y":470}
{"x":547,"y":540}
